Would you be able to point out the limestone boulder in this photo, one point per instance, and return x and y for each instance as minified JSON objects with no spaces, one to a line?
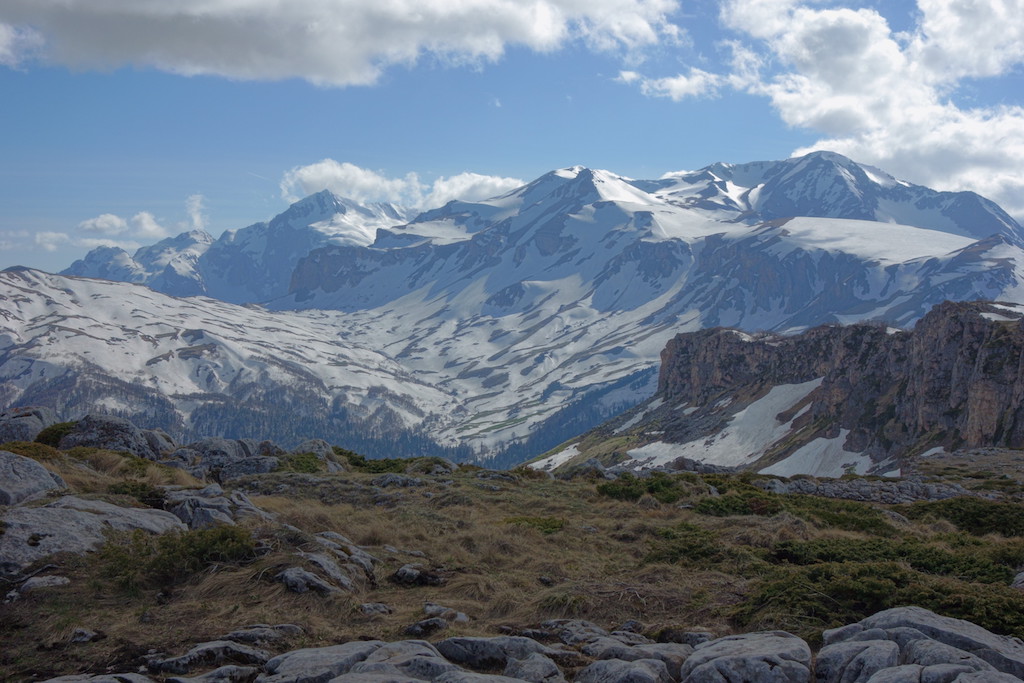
{"x":23,"y":479}
{"x":24,"y":424}
{"x":766,"y":657}
{"x":111,"y":433}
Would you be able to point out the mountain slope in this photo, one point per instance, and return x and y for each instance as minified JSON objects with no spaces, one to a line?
{"x":540,"y":313}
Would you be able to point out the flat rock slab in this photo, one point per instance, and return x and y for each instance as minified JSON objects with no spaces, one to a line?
{"x":317,"y":664}
{"x":74,"y":525}
{"x":1002,"y":653}
{"x":765,"y":657}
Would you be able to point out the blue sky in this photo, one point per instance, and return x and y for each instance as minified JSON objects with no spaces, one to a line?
{"x":127,"y":120}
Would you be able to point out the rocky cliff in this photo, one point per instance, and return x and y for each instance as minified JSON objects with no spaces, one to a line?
{"x":837,"y":398}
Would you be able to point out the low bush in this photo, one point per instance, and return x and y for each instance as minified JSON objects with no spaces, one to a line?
{"x":973,"y":515}
{"x":303,"y":463}
{"x":684,"y":543}
{"x":361,"y":463}
{"x":665,"y":488}
{"x":52,"y":435}
{"x":983,"y":565}
{"x":808,"y":600}
{"x":139,"y":560}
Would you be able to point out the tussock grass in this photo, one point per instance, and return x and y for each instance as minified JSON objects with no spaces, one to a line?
{"x":532,"y":550}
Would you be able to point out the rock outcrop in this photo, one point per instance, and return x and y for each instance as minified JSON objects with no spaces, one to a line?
{"x":955,"y":381}
{"x":901,"y":645}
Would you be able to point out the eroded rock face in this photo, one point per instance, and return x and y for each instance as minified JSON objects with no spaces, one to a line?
{"x":954,"y":381}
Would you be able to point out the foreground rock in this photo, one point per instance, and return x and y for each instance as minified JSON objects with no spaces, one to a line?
{"x":24,"y":424}
{"x":23,"y":479}
{"x":71,"y":524}
{"x":902,"y":645}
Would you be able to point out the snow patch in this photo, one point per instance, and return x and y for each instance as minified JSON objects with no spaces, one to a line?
{"x":747,"y":436}
{"x":552,"y":461}
{"x":822,"y":458}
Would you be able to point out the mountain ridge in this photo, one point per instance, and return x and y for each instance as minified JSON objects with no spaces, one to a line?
{"x":531,"y":314}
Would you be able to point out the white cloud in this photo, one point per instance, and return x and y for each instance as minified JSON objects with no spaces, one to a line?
{"x":91,"y":243}
{"x":51,"y":241}
{"x":349,"y":180}
{"x":17,"y":44}
{"x":328,"y":42}
{"x":877,"y":95}
{"x":467,"y":187}
{"x":889,"y":98}
{"x":105,"y":224}
{"x":146,"y":227}
{"x":363,"y":185}
{"x":194,"y":207}
{"x":696,"y":83}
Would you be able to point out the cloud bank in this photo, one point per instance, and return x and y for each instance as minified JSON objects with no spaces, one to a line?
{"x":880,"y":96}
{"x":327,"y":42}
{"x":362,"y":185}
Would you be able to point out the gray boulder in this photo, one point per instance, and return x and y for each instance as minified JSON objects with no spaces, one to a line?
{"x":23,"y":479}
{"x":416,"y":659}
{"x":230,"y":673}
{"x":111,"y":433}
{"x":263,"y":633}
{"x":101,"y":678}
{"x":317,"y":664}
{"x":213,"y":653}
{"x":766,"y":657}
{"x":619,"y":671}
{"x":855,"y":661}
{"x":259,"y":464}
{"x":1005,"y":654}
{"x":535,"y":668}
{"x":489,"y":653}
{"x":299,"y":580}
{"x":71,"y":524}
{"x":331,"y":569}
{"x":471,"y":677}
{"x":24,"y":424}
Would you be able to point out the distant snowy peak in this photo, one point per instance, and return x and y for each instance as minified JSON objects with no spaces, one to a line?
{"x":829,"y":185}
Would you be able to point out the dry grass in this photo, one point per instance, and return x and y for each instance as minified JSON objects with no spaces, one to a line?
{"x":535,"y":549}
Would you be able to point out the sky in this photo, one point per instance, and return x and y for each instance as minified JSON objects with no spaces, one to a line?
{"x":126,"y":121}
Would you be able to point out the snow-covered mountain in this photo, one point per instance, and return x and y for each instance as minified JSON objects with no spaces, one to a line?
{"x":539,"y":313}
{"x":249,"y":265}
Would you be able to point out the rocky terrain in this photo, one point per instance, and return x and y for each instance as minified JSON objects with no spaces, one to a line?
{"x":861,"y":398}
{"x":125,"y":556}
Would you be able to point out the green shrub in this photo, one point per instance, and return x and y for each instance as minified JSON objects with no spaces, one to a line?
{"x":685,"y":543}
{"x":361,"y":463}
{"x":832,"y":513}
{"x":973,"y":515}
{"x":808,"y":600}
{"x":52,"y":435}
{"x":547,"y":525}
{"x":139,"y":560}
{"x":305,"y":463}
{"x":665,"y":488}
{"x":970,"y":564}
{"x":740,"y":504}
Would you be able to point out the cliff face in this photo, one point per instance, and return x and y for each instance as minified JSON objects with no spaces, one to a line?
{"x":954,"y":381}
